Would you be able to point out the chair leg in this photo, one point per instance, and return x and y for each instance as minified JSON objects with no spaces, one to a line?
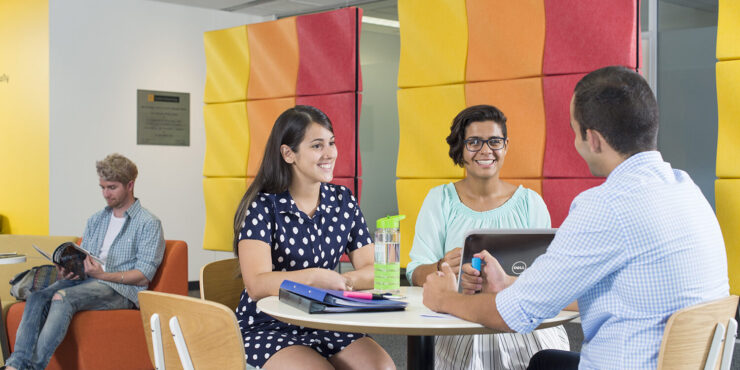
{"x":729,"y":346}
{"x":713,"y":355}
{"x":182,"y":348}
{"x":157,"y":342}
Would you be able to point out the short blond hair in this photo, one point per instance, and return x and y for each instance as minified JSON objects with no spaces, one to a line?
{"x":118,"y":168}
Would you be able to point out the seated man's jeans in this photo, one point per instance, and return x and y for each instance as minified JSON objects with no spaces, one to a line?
{"x":554,"y":359}
{"x":45,"y":321}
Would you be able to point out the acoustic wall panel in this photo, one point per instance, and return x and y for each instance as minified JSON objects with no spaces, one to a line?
{"x":261,"y":115}
{"x":227,"y":139}
{"x":521,"y":102}
{"x":434,"y":40}
{"x":328,"y":52}
{"x":500,"y":45}
{"x":533,"y":184}
{"x":559,"y":194}
{"x":728,"y":213}
{"x":227,"y":61}
{"x":582,"y":36}
{"x":273,"y":51}
{"x":425,"y":115}
{"x":342,"y":111}
{"x":411,"y":194}
{"x":561,"y":157}
{"x":222,"y":196}
{"x":728,"y":114}
{"x":728,"y":30}
{"x":259,"y":71}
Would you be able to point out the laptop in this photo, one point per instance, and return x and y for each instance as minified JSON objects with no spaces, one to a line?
{"x":515,"y":249}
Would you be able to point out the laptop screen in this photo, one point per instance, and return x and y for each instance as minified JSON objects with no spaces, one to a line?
{"x":515,"y":249}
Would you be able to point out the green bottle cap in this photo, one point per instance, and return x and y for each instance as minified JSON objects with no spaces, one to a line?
{"x":390,"y":222}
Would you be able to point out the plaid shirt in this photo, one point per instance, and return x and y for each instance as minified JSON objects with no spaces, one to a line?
{"x":139,"y":245}
{"x":632,"y":251}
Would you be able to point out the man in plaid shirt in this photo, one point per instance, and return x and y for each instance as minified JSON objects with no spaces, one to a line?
{"x":631,"y":252}
{"x":129,"y":242}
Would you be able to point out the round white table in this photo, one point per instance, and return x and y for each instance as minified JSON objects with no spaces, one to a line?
{"x":10,"y":258}
{"x":417,"y":322}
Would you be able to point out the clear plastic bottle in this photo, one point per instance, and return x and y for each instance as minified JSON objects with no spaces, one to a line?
{"x":388,"y":254}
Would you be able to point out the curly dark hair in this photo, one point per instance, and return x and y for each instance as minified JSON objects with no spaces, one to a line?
{"x":476,"y":113}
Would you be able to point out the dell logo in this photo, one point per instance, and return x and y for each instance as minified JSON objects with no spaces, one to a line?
{"x":518,"y":267}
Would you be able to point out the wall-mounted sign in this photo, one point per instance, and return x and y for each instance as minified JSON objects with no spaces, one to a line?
{"x":163,"y":118}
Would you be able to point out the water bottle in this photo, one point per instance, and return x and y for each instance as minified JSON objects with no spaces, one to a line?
{"x":388,"y":254}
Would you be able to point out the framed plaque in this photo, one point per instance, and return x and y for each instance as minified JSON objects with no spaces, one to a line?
{"x":162,"y":118}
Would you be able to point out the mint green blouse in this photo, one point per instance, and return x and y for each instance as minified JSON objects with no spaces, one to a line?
{"x":443,"y":221}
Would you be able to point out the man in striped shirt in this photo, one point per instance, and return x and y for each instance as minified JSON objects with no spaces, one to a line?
{"x":631,"y":252}
{"x":129,"y":242}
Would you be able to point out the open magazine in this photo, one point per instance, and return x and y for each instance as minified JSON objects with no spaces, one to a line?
{"x":70,"y":256}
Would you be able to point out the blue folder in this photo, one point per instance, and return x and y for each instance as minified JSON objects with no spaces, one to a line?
{"x":317,"y":300}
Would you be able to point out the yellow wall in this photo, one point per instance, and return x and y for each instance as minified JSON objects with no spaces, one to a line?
{"x":24,"y":116}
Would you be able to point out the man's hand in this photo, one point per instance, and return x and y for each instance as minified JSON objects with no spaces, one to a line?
{"x":66,"y":275}
{"x":452,"y":258}
{"x":495,"y":278}
{"x":471,"y":280}
{"x":438,"y":287}
{"x":93,"y":268}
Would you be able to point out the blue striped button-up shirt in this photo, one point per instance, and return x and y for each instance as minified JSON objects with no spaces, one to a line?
{"x":632,"y":251}
{"x":139,"y":245}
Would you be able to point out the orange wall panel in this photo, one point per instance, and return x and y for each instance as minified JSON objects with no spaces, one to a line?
{"x":506,"y":39}
{"x":273,"y":51}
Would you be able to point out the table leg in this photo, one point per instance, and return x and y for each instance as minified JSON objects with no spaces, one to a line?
{"x":420,"y":352}
{"x":3,"y":337}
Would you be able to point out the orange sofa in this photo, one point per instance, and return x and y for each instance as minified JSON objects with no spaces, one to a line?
{"x":112,"y":339}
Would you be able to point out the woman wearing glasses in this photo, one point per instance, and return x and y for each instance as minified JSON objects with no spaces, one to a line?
{"x":481,"y":200}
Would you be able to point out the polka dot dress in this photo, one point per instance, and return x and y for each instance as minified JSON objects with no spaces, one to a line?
{"x":299,"y":242}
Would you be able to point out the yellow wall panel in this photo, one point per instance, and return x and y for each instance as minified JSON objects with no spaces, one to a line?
{"x":411,"y":194}
{"x":227,"y":139}
{"x":227,"y":61}
{"x":434,"y":42}
{"x":523,"y":104}
{"x":728,"y":30}
{"x":425,"y":116}
{"x":222,"y":196}
{"x":727,"y":197}
{"x":24,"y":116}
{"x":506,"y":39}
{"x":728,"y":113}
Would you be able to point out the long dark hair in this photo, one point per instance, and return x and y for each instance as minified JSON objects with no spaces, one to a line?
{"x":275,"y":175}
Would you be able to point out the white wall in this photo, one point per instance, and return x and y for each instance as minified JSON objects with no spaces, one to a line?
{"x":101,"y":52}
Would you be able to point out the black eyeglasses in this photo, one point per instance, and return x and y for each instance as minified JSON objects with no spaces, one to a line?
{"x":475,"y":144}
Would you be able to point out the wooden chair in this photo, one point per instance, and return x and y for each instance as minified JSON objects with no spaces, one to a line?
{"x":690,"y":333}
{"x":221,"y":282}
{"x":210,"y":332}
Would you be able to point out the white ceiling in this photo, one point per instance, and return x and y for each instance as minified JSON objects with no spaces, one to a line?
{"x":386,"y":9}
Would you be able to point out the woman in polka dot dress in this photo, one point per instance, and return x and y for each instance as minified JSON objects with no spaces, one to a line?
{"x":291,"y":224}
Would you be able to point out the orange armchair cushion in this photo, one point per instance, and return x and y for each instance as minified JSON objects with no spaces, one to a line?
{"x":112,"y":339}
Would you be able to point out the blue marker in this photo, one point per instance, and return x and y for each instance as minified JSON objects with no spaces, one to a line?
{"x":476,"y":263}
